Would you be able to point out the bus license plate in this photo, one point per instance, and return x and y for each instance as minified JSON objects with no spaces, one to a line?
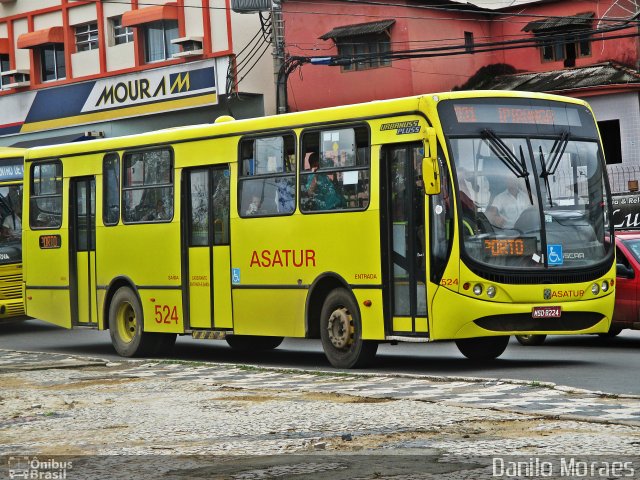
{"x":546,"y":312}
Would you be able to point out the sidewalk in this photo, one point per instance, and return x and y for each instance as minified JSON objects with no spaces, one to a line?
{"x":62,"y":405}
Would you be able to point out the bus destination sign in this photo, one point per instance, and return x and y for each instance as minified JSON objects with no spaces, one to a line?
{"x":510,"y":247}
{"x":516,"y":114}
{"x":50,"y":241}
{"x":9,"y":171}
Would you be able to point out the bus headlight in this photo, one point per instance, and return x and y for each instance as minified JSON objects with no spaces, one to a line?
{"x":491,"y":291}
{"x":595,"y":289}
{"x":605,"y":286}
{"x":477,"y":289}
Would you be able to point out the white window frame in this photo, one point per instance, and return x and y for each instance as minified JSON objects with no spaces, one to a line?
{"x":86,"y":36}
{"x":120,"y":34}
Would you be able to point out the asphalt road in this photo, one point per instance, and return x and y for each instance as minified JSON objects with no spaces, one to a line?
{"x":586,"y":361}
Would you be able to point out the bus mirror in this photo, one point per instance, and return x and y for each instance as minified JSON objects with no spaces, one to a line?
{"x":430,"y":165}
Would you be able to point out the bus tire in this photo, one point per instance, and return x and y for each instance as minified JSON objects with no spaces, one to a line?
{"x":613,"y":332}
{"x":126,"y":326}
{"x":482,"y":348}
{"x":341,"y":332}
{"x":248,"y":343}
{"x":531,"y":340}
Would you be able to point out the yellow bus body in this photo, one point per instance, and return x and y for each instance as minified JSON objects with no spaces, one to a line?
{"x":286,"y":265}
{"x":11,"y":284}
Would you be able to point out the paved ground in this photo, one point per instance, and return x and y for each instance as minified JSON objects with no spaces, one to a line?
{"x":187,"y":420}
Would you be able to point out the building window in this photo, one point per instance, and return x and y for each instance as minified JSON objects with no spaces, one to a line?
{"x":267,"y":182}
{"x":120,"y":34}
{"x":563,"y":38}
{"x":566,"y":49}
{"x":611,"y":140}
{"x":4,"y":67}
{"x":86,"y":37}
{"x":368,"y":51}
{"x":52,"y":62}
{"x":157,"y":40}
{"x":468,"y":42}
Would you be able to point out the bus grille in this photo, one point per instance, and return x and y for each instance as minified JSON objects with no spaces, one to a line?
{"x":523,"y":322}
{"x":14,"y":310}
{"x":10,"y":287}
{"x":541,"y":278}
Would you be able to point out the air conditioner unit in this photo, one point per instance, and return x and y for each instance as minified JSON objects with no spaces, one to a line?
{"x":15,"y":79}
{"x":190,"y":46}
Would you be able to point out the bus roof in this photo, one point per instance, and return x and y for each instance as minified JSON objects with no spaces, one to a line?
{"x":396,"y":106}
{"x":10,"y":152}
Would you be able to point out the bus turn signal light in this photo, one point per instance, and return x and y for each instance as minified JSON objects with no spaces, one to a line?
{"x":367,"y":303}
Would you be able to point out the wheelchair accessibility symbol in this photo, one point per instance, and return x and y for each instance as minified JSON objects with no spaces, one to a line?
{"x":235,"y":276}
{"x":554,"y":255}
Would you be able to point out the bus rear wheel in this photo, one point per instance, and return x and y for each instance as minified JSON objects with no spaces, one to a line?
{"x":126,"y":326}
{"x":482,"y":348}
{"x":341,"y":332}
{"x":248,"y":343}
{"x":531,"y":340}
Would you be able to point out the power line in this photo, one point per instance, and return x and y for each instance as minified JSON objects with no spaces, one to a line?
{"x":438,"y":7}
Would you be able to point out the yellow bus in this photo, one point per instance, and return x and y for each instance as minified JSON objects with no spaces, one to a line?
{"x":11,"y":172}
{"x":381,"y":222}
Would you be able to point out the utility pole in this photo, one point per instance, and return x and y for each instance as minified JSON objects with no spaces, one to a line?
{"x":277,"y":33}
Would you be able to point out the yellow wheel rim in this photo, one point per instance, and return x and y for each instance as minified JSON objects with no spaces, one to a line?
{"x":126,"y":320}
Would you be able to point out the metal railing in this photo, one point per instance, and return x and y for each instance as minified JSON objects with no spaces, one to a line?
{"x":622,"y":178}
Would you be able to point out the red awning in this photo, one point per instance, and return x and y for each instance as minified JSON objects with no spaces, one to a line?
{"x":4,"y":46}
{"x":135,"y":18}
{"x":41,"y":37}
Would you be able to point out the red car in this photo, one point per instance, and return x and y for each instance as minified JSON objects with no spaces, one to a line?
{"x":627,"y":307}
{"x":625,"y":314}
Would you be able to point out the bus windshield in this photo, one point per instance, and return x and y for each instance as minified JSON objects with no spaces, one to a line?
{"x":10,"y":224}
{"x":535,"y":200}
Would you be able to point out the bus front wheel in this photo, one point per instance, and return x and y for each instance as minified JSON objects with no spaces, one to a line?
{"x":531,"y":340}
{"x":482,"y":348}
{"x":341,"y":332}
{"x":248,"y":343}
{"x":126,"y":324}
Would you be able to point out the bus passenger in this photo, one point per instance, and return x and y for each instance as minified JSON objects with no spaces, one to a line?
{"x":159,"y":213}
{"x":320,"y":189}
{"x":254,"y":206}
{"x":11,"y":226}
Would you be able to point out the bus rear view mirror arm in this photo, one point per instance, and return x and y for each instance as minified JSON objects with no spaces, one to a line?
{"x":430,"y":164}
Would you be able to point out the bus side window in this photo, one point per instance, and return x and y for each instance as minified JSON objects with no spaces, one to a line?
{"x":111,"y":188}
{"x":266,"y":186}
{"x":147,"y":190}
{"x":46,"y":195}
{"x":335,"y":170}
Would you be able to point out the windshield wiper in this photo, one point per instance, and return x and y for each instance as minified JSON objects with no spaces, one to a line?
{"x":557,"y":150}
{"x":517,"y":166}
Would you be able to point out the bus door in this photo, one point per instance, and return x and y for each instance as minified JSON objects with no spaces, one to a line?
{"x":82,"y":258}
{"x":403,"y":217}
{"x":207,"y":257}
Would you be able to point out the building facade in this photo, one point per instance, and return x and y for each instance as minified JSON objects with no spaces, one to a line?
{"x":72,"y":70}
{"x":585,"y":49}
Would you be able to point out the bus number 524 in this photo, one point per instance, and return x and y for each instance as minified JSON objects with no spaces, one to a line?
{"x":166,"y":314}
